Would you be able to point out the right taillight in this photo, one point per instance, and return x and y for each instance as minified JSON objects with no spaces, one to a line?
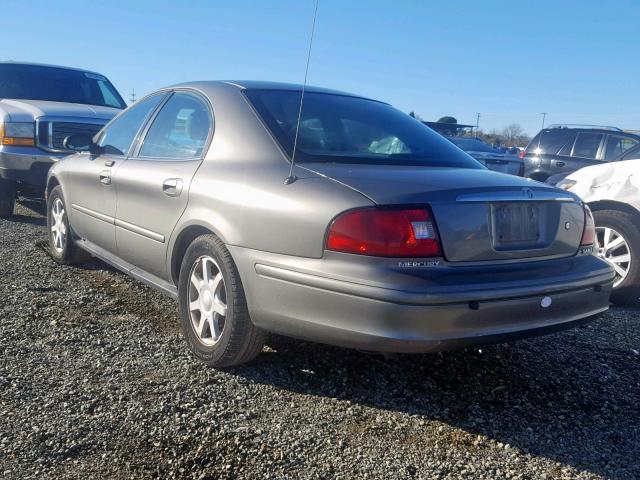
{"x":522,"y":154}
{"x":385,"y":232}
{"x":589,"y":232}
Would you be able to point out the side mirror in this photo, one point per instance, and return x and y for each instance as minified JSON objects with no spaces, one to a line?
{"x":81,"y":143}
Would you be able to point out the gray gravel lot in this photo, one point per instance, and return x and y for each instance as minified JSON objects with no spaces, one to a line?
{"x":95,"y":381}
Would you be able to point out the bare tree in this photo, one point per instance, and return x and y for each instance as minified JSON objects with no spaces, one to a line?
{"x":512,"y":134}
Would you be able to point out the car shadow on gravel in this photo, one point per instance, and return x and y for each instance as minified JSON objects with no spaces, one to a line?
{"x":30,"y":211}
{"x":570,"y":397}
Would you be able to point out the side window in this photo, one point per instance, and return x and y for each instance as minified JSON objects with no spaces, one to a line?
{"x":566,"y":150}
{"x":587,"y":145}
{"x":117,"y":137}
{"x":553,"y":140}
{"x":616,"y":146}
{"x":180,"y":129}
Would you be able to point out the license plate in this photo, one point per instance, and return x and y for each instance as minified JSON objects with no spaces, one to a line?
{"x":516,"y":225}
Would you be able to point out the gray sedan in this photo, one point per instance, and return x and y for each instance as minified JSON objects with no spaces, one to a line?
{"x":382,"y":236}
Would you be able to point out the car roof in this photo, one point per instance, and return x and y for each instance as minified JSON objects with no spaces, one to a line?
{"x":591,"y":129}
{"x":46,"y":65}
{"x":264,"y":85}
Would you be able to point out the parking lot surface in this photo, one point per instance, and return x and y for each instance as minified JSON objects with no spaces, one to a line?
{"x":95,"y":380}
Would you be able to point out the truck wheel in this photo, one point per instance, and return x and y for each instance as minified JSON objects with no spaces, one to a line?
{"x":618,"y":238}
{"x":213,"y":311}
{"x":61,"y":245}
{"x":7,"y":197}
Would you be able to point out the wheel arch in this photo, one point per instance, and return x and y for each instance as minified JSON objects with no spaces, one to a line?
{"x":618,"y":206}
{"x":182,"y":241}
{"x":52,"y":183}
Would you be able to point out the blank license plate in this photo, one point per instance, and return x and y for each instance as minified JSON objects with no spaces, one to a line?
{"x":515,"y":224}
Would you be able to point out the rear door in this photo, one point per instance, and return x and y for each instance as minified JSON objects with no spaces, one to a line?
{"x":89,"y":187}
{"x":153,"y":184}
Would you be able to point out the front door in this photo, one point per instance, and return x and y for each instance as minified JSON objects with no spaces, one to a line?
{"x":153,"y":184}
{"x":90,"y":189}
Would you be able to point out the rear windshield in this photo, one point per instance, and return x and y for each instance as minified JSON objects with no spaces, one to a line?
{"x":551,"y":141}
{"x":343,"y":129}
{"x":37,"y":82}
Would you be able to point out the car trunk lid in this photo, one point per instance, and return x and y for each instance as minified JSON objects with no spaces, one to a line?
{"x":480,"y":215}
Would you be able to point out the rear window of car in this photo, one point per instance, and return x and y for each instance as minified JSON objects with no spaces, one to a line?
{"x":551,"y":141}
{"x":41,"y":82}
{"x":344,"y":129}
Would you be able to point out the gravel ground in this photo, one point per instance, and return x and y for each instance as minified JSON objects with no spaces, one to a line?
{"x":95,"y":381}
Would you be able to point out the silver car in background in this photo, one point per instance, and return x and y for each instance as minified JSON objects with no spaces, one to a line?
{"x":490,"y":157}
{"x":385,"y":238}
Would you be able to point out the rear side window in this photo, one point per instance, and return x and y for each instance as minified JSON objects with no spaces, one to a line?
{"x":344,"y":129}
{"x":117,"y":136}
{"x":180,"y":129}
{"x":551,"y":141}
{"x":587,"y":145}
{"x":616,"y":146}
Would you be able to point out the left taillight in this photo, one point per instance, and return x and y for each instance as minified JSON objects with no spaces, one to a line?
{"x":385,"y":232}
{"x":589,"y":232}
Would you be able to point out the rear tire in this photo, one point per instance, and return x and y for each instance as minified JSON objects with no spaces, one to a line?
{"x":622,"y":224}
{"x":61,"y":245}
{"x":214,"y":317}
{"x":7,"y":197}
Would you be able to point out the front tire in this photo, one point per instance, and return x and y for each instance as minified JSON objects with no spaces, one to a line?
{"x":7,"y":197}
{"x":214,"y":317}
{"x":618,"y":238}
{"x":61,"y":246}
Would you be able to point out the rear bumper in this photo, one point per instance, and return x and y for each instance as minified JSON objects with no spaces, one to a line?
{"x":369,"y":317}
{"x":28,"y":165}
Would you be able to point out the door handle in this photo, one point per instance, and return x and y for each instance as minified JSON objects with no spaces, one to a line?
{"x":109,"y":163}
{"x":105,"y":177}
{"x":172,"y":187}
{"x":559,"y":164}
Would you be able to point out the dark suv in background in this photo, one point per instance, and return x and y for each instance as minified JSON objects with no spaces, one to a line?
{"x":562,"y":149}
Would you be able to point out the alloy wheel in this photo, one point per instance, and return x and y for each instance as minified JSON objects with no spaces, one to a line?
{"x":613,"y":248}
{"x":207,"y":300}
{"x":58,"y":227}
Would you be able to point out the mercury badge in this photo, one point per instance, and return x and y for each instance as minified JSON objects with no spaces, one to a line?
{"x":546,"y":302}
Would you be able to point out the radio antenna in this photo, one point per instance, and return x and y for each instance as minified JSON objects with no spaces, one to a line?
{"x":292,"y":178}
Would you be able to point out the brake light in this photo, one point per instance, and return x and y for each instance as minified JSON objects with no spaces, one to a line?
{"x":522,"y":154}
{"x":385,"y":232}
{"x":589,"y":232}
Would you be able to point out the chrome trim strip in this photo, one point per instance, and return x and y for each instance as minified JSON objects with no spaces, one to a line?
{"x":140,"y":230}
{"x":93,"y":213}
{"x":525,"y":195}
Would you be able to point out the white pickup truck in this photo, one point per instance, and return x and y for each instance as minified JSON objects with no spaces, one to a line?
{"x":41,"y":105}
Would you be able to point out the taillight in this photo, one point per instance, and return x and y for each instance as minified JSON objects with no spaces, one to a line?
{"x":589,"y":232}
{"x":522,"y":154}
{"x":385,"y":232}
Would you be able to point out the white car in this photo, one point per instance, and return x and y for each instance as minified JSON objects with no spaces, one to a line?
{"x":612,"y":190}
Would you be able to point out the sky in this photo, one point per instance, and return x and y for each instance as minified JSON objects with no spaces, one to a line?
{"x":509,"y":61}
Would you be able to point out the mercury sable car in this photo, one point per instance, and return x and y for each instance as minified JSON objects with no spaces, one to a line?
{"x":384,"y":237}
